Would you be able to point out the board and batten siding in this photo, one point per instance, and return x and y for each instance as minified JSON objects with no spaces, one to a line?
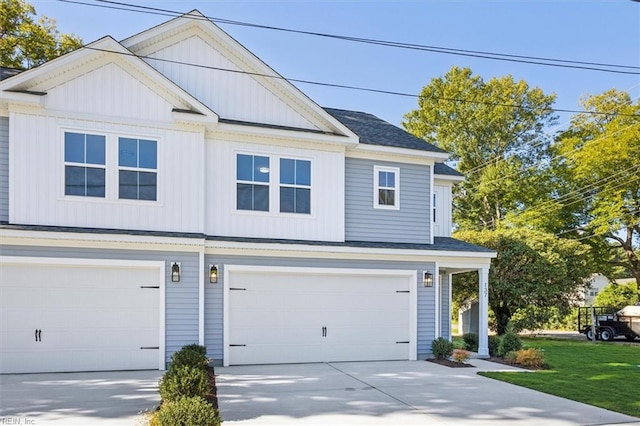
{"x":363,"y":222}
{"x":181,"y":299}
{"x":4,"y":169}
{"x":326,"y":221}
{"x":38,"y":188}
{"x":214,"y":294}
{"x":232,"y":95}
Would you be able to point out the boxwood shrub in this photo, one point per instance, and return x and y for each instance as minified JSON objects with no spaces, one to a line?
{"x":193,"y":411}
{"x":441,"y":348}
{"x":184,"y":381}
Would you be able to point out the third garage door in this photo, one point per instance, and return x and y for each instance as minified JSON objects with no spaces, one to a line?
{"x":309,"y":315}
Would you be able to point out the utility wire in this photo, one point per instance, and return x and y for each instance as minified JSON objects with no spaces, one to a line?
{"x":358,"y":88}
{"x":534,"y":60}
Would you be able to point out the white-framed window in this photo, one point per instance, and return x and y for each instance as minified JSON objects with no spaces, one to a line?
{"x":295,"y":186}
{"x":84,"y":165}
{"x":252,"y":182}
{"x":386,"y":187}
{"x":137,"y":169}
{"x":434,"y":206}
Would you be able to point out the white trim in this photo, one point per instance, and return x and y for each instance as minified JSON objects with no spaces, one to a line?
{"x":483,"y":312}
{"x":431,"y":192}
{"x":376,"y":187}
{"x":411,"y":275}
{"x":119,"y":263}
{"x":201,"y":283}
{"x":449,"y":178}
{"x":362,"y":149}
{"x":436,"y":300}
{"x":450,"y":280}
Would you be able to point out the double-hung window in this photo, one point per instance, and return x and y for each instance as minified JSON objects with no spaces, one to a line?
{"x":386,"y":187}
{"x":252,"y":182}
{"x":295,"y":186}
{"x":137,"y":169}
{"x":84,"y":169}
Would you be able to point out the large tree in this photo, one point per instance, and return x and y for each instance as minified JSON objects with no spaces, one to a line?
{"x":27,"y":41}
{"x":599,"y":157}
{"x":534,"y":274}
{"x":495,"y":131}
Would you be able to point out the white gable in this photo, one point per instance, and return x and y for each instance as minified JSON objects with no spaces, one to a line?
{"x":218,"y":71}
{"x":232,"y":95}
{"x":112,"y":91}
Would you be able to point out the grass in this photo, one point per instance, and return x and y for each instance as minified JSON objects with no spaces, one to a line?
{"x":603,"y":374}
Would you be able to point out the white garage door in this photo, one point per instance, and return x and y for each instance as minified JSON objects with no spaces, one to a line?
{"x":61,"y":317}
{"x":277,"y":316}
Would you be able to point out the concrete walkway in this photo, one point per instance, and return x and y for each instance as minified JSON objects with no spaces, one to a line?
{"x":97,"y":398}
{"x":391,"y":393}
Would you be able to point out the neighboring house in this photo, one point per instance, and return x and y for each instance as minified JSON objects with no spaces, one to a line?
{"x":147,"y":204}
{"x":597,"y":283}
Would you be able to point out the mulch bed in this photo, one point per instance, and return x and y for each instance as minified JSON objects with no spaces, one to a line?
{"x":212,"y":398}
{"x":499,"y":360}
{"x":449,"y":363}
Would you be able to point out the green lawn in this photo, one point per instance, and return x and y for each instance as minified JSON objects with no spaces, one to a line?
{"x":603,"y":374}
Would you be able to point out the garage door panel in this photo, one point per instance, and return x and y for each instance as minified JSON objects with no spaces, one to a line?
{"x":92,"y":317}
{"x":280,"y":316}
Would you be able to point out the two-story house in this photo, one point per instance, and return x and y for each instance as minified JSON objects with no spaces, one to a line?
{"x":171,"y":188}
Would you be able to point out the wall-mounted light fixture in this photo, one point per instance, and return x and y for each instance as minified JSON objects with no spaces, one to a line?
{"x":213,"y":274}
{"x":175,"y":272}
{"x":427,"y":279}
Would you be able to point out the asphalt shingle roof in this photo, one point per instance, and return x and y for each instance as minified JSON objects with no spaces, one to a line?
{"x":375,"y":131}
{"x":443,"y":169}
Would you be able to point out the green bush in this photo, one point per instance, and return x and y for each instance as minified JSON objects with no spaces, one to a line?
{"x":189,"y":357}
{"x":511,"y":357}
{"x":441,"y":348}
{"x":202,"y":350}
{"x":470,"y":341}
{"x":185,"y":381}
{"x":187,"y":412}
{"x":494,"y":345}
{"x":510,"y":342}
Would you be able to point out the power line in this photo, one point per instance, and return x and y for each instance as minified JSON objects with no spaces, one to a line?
{"x":359,"y":88}
{"x":533,"y":60}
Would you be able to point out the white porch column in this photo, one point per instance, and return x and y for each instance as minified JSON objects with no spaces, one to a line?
{"x":483,"y":312}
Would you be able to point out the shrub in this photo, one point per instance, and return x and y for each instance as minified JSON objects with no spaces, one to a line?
{"x":511,"y":357}
{"x":460,"y":355}
{"x":510,"y":341}
{"x":494,"y":345}
{"x":470,"y":341}
{"x":188,"y":357}
{"x":202,"y":350}
{"x":185,"y":381}
{"x":441,"y":348}
{"x":531,"y":357}
{"x":187,"y":412}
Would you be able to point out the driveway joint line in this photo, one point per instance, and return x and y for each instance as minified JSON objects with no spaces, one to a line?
{"x":414,"y":408}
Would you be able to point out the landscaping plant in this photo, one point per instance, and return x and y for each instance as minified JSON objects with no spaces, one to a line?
{"x":188,"y":356}
{"x":531,"y":357}
{"x":470,"y":341}
{"x":460,"y":355}
{"x":184,"y":381}
{"x":510,"y":342}
{"x":441,"y":348}
{"x":194,"y":411}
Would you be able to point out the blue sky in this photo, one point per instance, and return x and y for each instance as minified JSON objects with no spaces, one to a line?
{"x":606,"y":31}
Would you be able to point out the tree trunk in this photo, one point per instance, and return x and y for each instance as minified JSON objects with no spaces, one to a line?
{"x":503,"y":316}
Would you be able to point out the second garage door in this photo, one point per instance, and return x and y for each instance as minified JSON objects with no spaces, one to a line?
{"x":310,"y":315}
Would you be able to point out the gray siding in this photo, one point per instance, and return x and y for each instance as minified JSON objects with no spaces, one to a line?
{"x":4,"y":169}
{"x":214,"y":303}
{"x":410,"y":224}
{"x":445,"y":309}
{"x":181,"y":299}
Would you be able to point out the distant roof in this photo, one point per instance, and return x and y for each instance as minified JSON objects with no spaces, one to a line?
{"x":8,"y":72}
{"x":443,"y":169}
{"x":375,"y":131}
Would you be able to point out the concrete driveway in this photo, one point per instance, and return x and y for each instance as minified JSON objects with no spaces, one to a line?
{"x":96,"y":398}
{"x":390,"y":393}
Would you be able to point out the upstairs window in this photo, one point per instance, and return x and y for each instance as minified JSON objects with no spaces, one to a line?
{"x":137,"y":169}
{"x":386,"y":187}
{"x":252,"y":182}
{"x":295,"y":186}
{"x":84,"y":169}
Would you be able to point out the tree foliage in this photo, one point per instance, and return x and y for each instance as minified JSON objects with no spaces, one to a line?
{"x":617,"y":296}
{"x":498,"y":146}
{"x":600,"y":155}
{"x":532,"y":269}
{"x":27,"y":41}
